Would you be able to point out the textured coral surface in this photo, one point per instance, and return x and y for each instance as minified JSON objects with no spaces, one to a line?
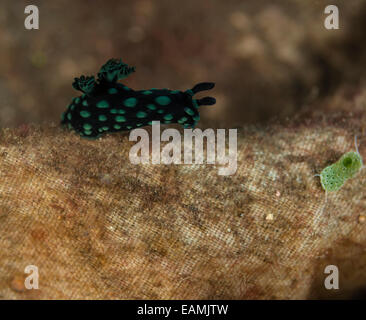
{"x":99,"y":227}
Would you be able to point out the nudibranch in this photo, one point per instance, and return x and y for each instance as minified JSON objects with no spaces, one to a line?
{"x":109,"y":106}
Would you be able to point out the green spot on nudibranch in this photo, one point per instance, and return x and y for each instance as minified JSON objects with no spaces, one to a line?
{"x":105,"y":128}
{"x":72,"y":107}
{"x":182,"y":120}
{"x":174,"y":91}
{"x":69,"y":116}
{"x":168,"y":117}
{"x":141,"y":114}
{"x":151,"y":106}
{"x":88,"y":132}
{"x":117,"y":127}
{"x":130,"y":102}
{"x":163,"y":100}
{"x":102,"y":104}
{"x":77,"y":100}
{"x":189,"y":111}
{"x":147,"y":92}
{"x":161,"y":111}
{"x":112,"y":91}
{"x":129,"y":127}
{"x":85,"y":103}
{"x":87,"y":126}
{"x":102,"y":117}
{"x":85,"y":114}
{"x":120,"y":119}
{"x":117,"y":111}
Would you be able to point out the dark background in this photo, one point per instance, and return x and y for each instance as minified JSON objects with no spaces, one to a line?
{"x":268,"y":58}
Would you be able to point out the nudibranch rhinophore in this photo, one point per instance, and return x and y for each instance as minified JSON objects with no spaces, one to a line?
{"x":109,"y":106}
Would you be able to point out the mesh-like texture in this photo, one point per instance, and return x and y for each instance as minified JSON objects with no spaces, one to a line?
{"x":99,"y":227}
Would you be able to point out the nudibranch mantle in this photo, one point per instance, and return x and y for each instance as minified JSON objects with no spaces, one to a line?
{"x":109,"y":106}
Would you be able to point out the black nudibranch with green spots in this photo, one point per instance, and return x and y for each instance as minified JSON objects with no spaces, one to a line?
{"x":109,"y":106}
